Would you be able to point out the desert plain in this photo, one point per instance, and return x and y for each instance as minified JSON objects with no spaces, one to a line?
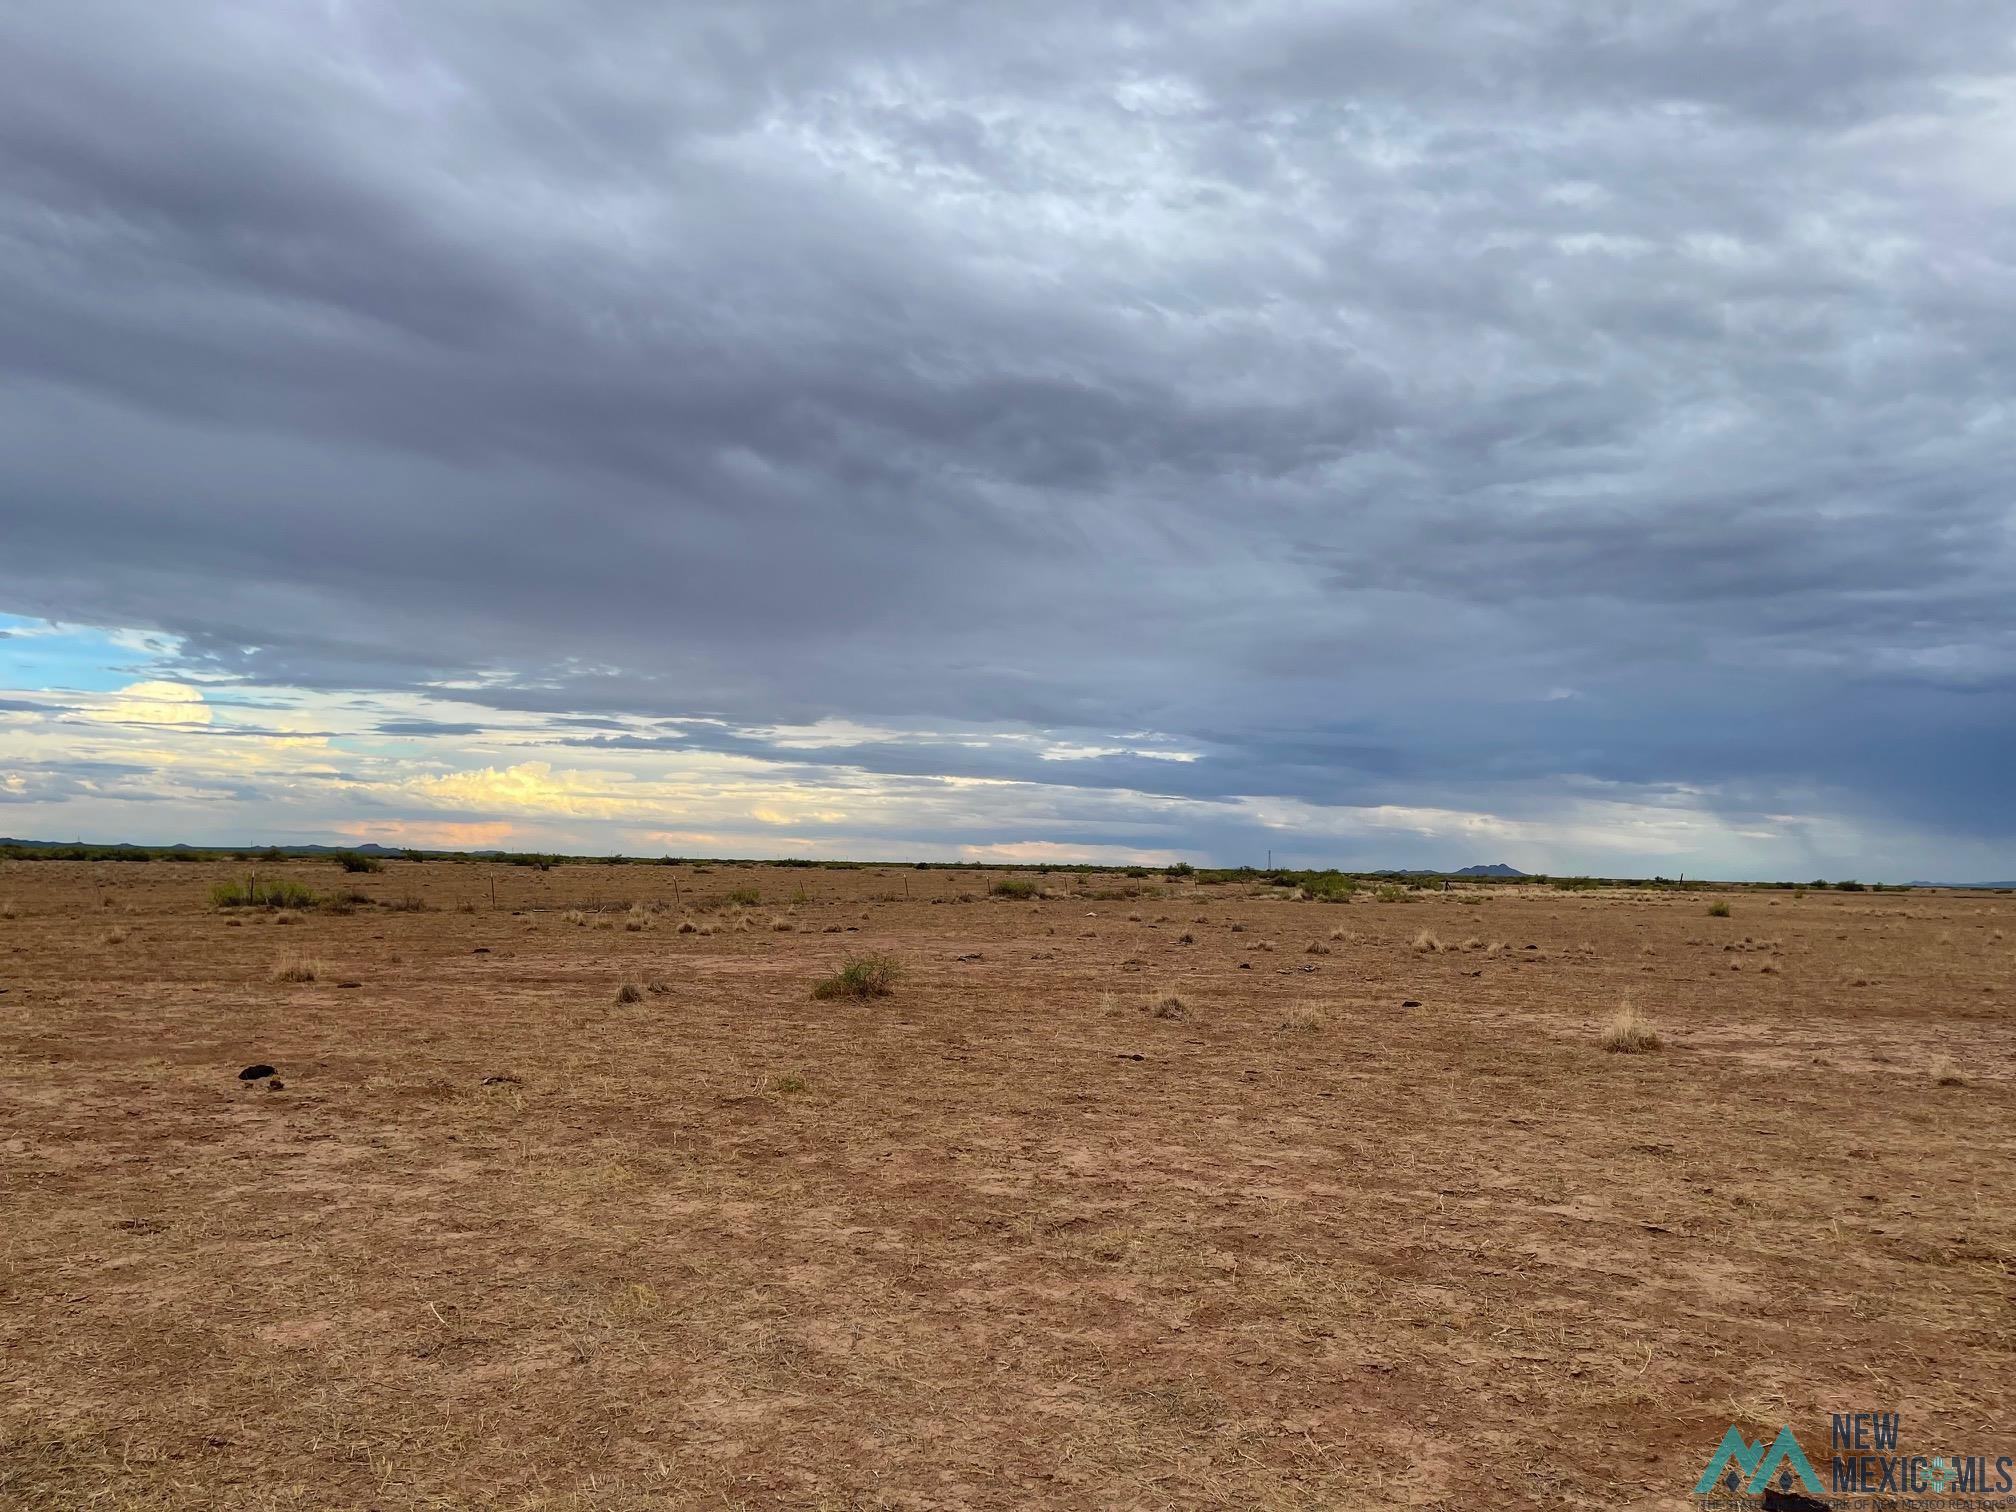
{"x":1137,"y":1193}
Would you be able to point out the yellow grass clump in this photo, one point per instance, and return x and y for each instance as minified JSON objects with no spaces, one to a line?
{"x":294,"y":967}
{"x":1629,"y":1032}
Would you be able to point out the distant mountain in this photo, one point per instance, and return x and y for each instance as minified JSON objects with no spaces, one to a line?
{"x":1496,"y":869}
{"x":369,"y":848}
{"x":2011,"y":885}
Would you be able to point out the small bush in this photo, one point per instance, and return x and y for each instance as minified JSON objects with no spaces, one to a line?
{"x":116,"y":935}
{"x":350,"y":861}
{"x":10,"y":909}
{"x":1013,"y":887}
{"x":1427,"y":942}
{"x":575,"y":917}
{"x":297,"y":968}
{"x":1629,"y":1033}
{"x":746,"y":897}
{"x":864,"y":977}
{"x":1718,"y":909}
{"x":256,"y":892}
{"x":1392,"y":892}
{"x":1167,"y":1005}
{"x":630,"y":992}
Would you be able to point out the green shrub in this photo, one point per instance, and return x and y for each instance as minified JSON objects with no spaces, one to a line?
{"x":350,"y":861}
{"x":864,"y":977}
{"x":1393,"y":892}
{"x":256,"y":892}
{"x":1014,"y":887}
{"x":1718,"y":909}
{"x":1849,"y":887}
{"x":748,"y":897}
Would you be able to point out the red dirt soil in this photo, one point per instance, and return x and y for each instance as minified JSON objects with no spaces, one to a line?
{"x":1005,"y":1238}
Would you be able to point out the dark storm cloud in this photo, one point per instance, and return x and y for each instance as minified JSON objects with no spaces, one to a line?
{"x":1394,"y":403}
{"x":426,"y":727}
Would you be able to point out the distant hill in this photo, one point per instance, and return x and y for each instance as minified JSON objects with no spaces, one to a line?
{"x":1496,"y":869}
{"x":368,"y":848}
{"x":2010,"y":885}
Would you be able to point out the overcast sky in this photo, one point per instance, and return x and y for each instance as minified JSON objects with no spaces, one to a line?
{"x":1572,"y":434}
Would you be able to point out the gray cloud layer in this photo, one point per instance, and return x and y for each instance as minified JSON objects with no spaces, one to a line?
{"x":1392,"y":403}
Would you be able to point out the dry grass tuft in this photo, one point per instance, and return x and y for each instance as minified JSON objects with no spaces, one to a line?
{"x":1629,"y":1032}
{"x":870,"y":976}
{"x":1166,"y":1005}
{"x":1427,"y":942}
{"x":782,"y":925}
{"x":1316,"y":947}
{"x":10,"y":909}
{"x":575,"y":917}
{"x":116,"y":935}
{"x":295,"y":967}
{"x":630,"y":992}
{"x":636,"y":919}
{"x":1718,"y":909}
{"x":1305,"y":1016}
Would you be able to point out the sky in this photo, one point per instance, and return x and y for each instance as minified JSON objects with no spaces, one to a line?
{"x":1577,"y":435}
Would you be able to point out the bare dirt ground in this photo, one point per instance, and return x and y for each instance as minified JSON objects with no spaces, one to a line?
{"x":1366,"y":1226}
